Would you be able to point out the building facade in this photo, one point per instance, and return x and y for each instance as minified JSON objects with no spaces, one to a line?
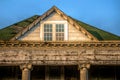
{"x":55,"y":46}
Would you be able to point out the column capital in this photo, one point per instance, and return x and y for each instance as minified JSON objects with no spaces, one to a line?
{"x":81,"y":66}
{"x":26,"y":66}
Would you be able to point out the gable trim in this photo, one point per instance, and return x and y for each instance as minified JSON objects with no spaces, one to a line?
{"x":62,"y":14}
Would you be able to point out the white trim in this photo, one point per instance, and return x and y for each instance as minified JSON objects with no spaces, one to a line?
{"x":66,"y":32}
{"x":54,"y":22}
{"x":53,"y":31}
{"x":41,"y":32}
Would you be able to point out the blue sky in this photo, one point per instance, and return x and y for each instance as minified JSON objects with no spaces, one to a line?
{"x":104,"y":14}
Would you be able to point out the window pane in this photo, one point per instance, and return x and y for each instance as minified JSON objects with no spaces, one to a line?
{"x":59,"y":32}
{"x":59,"y":27}
{"x":48,"y":36}
{"x":47,"y":27}
{"x":59,"y":36}
{"x":48,"y":32}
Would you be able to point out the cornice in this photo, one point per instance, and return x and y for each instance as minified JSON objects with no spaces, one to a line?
{"x":37,"y":44}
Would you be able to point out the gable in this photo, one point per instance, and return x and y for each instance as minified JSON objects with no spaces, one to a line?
{"x":70,"y":32}
{"x":76,"y":30}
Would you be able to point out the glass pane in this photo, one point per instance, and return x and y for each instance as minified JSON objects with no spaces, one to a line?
{"x":59,"y":27}
{"x":48,"y":32}
{"x":47,"y":27}
{"x":59,"y":32}
{"x":59,"y":36}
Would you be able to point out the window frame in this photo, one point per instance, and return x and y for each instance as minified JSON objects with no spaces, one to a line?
{"x":48,"y":32}
{"x":59,"y":32}
{"x":54,"y":29}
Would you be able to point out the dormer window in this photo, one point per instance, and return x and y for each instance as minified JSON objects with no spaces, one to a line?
{"x":54,"y":31}
{"x":48,"y":32}
{"x":59,"y":32}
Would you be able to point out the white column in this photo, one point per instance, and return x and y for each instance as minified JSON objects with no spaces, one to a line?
{"x":46,"y":73}
{"x":84,"y":71}
{"x":62,"y":73}
{"x":26,"y":69}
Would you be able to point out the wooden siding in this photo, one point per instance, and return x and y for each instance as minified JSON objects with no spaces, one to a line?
{"x":76,"y":35}
{"x":32,"y":35}
{"x":36,"y":34}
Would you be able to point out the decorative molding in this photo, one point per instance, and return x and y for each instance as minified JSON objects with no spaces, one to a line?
{"x":56,"y":56}
{"x":103,"y":44}
{"x":80,"y":66}
{"x":24,"y":66}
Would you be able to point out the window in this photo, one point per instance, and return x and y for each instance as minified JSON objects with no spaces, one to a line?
{"x":48,"y":32}
{"x":54,"y":31}
{"x":59,"y":32}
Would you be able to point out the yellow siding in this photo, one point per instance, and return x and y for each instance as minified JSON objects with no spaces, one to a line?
{"x":76,"y":35}
{"x":54,"y":17}
{"x":32,"y":35}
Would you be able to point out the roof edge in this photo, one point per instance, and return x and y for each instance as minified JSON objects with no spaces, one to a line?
{"x":62,"y":14}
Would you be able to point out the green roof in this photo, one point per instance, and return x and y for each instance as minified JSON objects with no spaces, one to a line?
{"x":10,"y":31}
{"x":98,"y":33}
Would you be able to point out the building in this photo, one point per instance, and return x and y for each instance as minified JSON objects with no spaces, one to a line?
{"x":55,"y":46}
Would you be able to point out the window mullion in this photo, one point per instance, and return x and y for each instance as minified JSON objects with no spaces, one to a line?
{"x":54,"y":32}
{"x":66,"y":32}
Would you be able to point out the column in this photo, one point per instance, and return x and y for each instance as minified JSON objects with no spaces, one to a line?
{"x":83,"y":74}
{"x":26,"y":69}
{"x":62,"y":73}
{"x":46,"y":73}
{"x":84,"y":71}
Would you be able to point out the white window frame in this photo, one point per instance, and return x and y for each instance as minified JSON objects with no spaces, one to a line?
{"x":60,"y":32}
{"x":51,"y":32}
{"x":54,"y":30}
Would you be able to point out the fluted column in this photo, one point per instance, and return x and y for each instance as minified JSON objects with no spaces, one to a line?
{"x":84,"y":71}
{"x":26,"y":69}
